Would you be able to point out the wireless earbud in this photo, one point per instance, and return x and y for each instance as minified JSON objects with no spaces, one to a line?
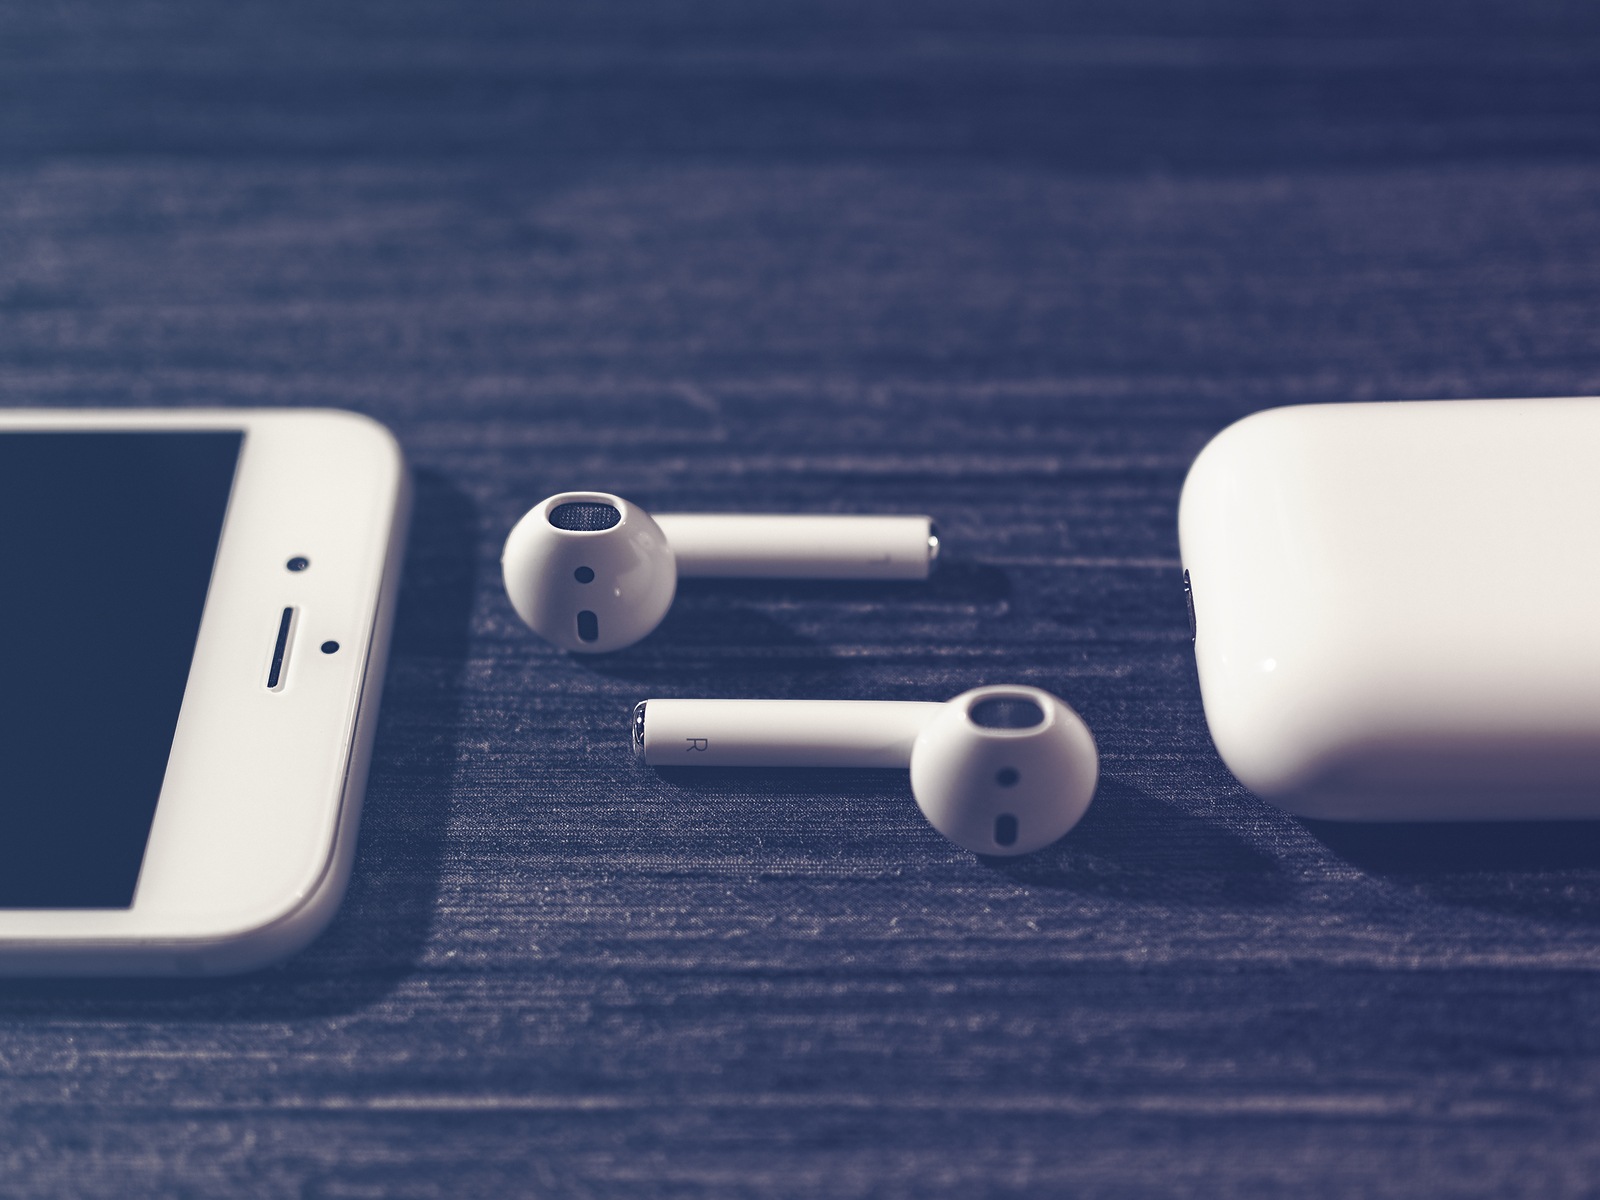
{"x":590,"y":572}
{"x":997,"y":770}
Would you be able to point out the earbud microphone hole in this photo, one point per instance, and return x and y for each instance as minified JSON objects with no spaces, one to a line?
{"x":1005,"y":830}
{"x":584,"y":574}
{"x":1007,"y":776}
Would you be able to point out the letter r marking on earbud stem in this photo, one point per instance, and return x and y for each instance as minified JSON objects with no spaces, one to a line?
{"x":701,"y":744}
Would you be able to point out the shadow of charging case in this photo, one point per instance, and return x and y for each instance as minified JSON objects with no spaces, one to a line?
{"x":1397,"y":607}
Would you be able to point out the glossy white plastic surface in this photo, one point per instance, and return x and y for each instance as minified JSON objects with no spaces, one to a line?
{"x":255,"y":829}
{"x":991,"y":790}
{"x":782,"y":733}
{"x":592,"y":591}
{"x":628,"y":570}
{"x":1395,"y":607}
{"x":786,"y":546}
{"x":965,"y":776}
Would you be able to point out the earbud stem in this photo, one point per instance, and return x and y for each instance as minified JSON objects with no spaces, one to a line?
{"x":779,"y":733}
{"x":786,"y":546}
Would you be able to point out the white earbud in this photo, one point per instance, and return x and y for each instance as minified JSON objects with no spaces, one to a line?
{"x":997,"y":770}
{"x":590,"y":572}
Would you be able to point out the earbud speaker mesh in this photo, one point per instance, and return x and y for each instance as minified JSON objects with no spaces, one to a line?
{"x":1006,"y":712}
{"x":584,"y":516}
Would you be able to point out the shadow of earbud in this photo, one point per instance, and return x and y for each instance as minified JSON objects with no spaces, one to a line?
{"x":709,"y":645}
{"x":1130,"y":846}
{"x":716,"y":639}
{"x":965,"y":583}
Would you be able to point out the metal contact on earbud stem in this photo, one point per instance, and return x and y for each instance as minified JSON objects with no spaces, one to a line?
{"x":638,"y":730}
{"x":933,"y":546}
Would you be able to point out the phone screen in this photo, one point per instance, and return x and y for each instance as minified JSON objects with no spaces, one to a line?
{"x":107,"y":542}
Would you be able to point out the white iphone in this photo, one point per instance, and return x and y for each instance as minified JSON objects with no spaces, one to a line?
{"x":1396,"y":607}
{"x":194,"y":617}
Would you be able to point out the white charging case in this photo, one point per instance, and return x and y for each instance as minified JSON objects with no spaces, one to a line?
{"x":1397,"y":607}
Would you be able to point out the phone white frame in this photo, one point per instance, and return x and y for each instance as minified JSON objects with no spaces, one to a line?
{"x":254,"y":832}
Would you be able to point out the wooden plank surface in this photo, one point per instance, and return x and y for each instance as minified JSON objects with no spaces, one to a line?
{"x":1007,"y":265}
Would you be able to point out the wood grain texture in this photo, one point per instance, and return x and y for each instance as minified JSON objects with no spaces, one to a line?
{"x":1007,"y":265}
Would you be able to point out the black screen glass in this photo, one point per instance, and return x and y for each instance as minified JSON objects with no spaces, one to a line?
{"x":107,"y":541}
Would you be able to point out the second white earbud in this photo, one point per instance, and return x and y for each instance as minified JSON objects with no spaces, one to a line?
{"x":998,"y":770}
{"x":591,"y":572}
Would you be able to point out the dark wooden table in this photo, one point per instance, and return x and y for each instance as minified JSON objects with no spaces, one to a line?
{"x":1010,"y":264}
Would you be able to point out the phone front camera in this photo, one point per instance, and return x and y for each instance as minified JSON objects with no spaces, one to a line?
{"x":298,"y":563}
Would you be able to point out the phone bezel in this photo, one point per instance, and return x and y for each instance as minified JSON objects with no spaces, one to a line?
{"x":262,"y":788}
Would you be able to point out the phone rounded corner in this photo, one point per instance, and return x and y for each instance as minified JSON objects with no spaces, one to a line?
{"x":280,"y":935}
{"x":262,"y":942}
{"x":274,"y":943}
{"x":372,"y":434}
